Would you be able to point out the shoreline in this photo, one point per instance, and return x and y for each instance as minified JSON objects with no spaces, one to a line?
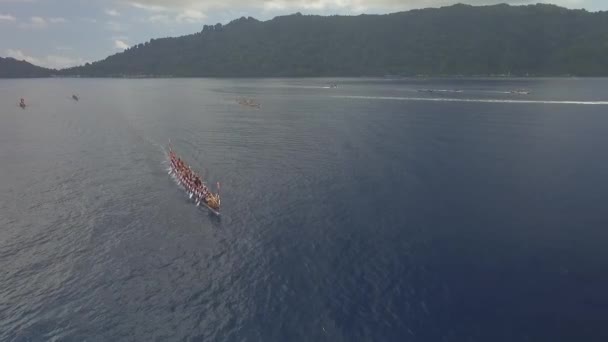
{"x":387,"y":78}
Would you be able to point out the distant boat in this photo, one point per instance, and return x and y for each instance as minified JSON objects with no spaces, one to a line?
{"x":520,"y":92}
{"x":248,"y":102}
{"x":22,"y":103}
{"x":333,"y":85}
{"x":75,"y":97}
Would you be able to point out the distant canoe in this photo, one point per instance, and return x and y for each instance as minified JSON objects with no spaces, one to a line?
{"x":248,"y":102}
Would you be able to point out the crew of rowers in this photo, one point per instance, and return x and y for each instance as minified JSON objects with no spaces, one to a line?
{"x":193,"y":182}
{"x":23,"y":105}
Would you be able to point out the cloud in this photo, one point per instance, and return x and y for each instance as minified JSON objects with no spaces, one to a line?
{"x":159,"y":18}
{"x":354,"y":5}
{"x":322,"y":6}
{"x":190,"y":16}
{"x":19,"y":55}
{"x":194,"y":11}
{"x":89,"y":20}
{"x":7,"y":17}
{"x":58,"y":20}
{"x":166,"y":12}
{"x":181,"y":5}
{"x":48,"y":61}
{"x":115,"y":26}
{"x":149,"y":7}
{"x":112,"y":12}
{"x":60,"y":62}
{"x":119,"y":44}
{"x":360,"y":6}
{"x":40,"y":22}
{"x":34,"y":23}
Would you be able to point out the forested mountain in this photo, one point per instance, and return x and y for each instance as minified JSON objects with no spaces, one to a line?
{"x":455,"y":40}
{"x":12,"y":68}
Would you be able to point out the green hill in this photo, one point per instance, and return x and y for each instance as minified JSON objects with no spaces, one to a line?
{"x":12,"y":68}
{"x":455,"y":40}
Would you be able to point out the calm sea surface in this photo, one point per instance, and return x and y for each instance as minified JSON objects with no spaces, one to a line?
{"x":369,"y":212}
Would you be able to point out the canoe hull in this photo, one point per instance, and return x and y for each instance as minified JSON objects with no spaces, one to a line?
{"x":191,"y":196}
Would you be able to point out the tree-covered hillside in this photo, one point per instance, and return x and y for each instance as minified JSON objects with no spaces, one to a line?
{"x":456,"y":40}
{"x":12,"y":68}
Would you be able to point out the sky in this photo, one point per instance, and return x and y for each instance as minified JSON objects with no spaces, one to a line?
{"x":63,"y":33}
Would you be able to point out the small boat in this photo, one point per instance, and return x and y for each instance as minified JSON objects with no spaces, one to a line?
{"x":192,"y":183}
{"x":248,"y":102}
{"x":22,"y":103}
{"x":75,"y":98}
{"x":520,"y":92}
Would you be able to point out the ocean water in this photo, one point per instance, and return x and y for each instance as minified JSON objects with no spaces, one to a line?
{"x":376,"y":211}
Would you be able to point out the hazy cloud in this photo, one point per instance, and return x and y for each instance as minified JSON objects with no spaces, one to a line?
{"x":7,"y":17}
{"x":40,"y":22}
{"x":160,"y":5}
{"x":48,"y":61}
{"x":114,"y":26}
{"x":190,"y":16}
{"x":166,"y":12}
{"x":19,"y":55}
{"x":319,"y":5}
{"x":149,"y":7}
{"x":89,"y":20}
{"x":159,"y":18}
{"x":57,"y":20}
{"x":119,"y":44}
{"x":34,"y":23}
{"x":112,"y":12}
{"x":60,"y":62}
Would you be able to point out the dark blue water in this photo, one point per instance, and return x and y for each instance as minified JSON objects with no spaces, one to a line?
{"x":370,"y":212}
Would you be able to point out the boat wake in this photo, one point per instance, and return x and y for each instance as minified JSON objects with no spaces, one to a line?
{"x":434,"y":99}
{"x":439,"y":90}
